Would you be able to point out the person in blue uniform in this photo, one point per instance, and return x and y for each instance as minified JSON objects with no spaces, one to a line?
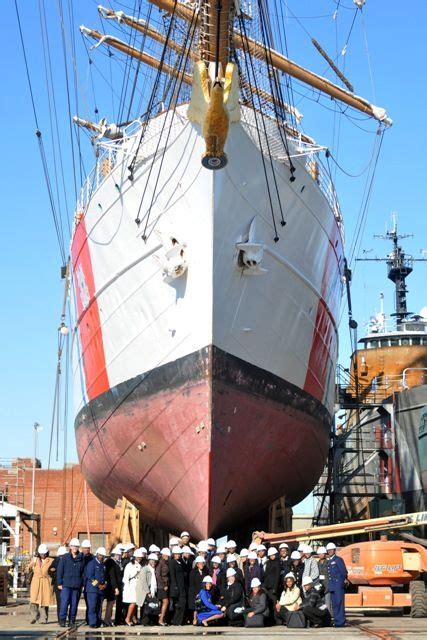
{"x":206,"y":610}
{"x":337,"y":577}
{"x":70,"y":581}
{"x":95,"y":584}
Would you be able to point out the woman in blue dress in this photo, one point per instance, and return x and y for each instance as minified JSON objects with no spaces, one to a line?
{"x":206,"y":610}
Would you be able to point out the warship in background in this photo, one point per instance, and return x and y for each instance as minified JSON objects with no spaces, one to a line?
{"x":378,"y":461}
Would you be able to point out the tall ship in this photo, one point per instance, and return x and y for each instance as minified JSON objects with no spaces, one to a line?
{"x":378,"y":464}
{"x":206,"y":274}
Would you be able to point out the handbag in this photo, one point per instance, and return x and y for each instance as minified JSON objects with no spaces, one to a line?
{"x":200,"y":605}
{"x":151,"y":606}
{"x":295,"y":620}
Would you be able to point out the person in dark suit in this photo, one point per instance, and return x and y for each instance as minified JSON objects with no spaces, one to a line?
{"x":252,"y":570}
{"x":163,"y":583}
{"x":86,"y":550}
{"x":233,"y":599}
{"x":178,"y":591}
{"x":113,"y":592}
{"x":70,"y":581}
{"x":313,"y":605}
{"x":195,"y":584}
{"x":53,"y":570}
{"x":284,"y":560}
{"x":337,"y":577}
{"x":272,"y":580}
{"x":297,"y":567}
{"x":216,"y":573}
{"x":232,"y":564}
{"x":95,"y":584}
{"x":257,"y":612}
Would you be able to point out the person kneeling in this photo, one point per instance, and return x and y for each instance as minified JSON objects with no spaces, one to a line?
{"x":290,"y":600}
{"x":233,"y":600}
{"x":313,"y":605}
{"x":258,"y":611}
{"x":207,"y":611}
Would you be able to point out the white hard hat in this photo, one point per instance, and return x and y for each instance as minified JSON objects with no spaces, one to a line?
{"x":207,"y":579}
{"x":177,"y":550}
{"x":129,"y":546}
{"x":187,"y":549}
{"x":321,"y":549}
{"x":295,"y":555}
{"x":330,"y":546}
{"x":216,"y":559}
{"x":153,"y":556}
{"x":261,"y":547}
{"x":255,"y":582}
{"x":199,"y":559}
{"x":173,"y":542}
{"x":43,"y":549}
{"x":252,"y":555}
{"x":143,"y":549}
{"x":184,"y":533}
{"x":101,"y":551}
{"x":211,"y":542}
{"x":221,"y":549}
{"x":74,"y":542}
{"x":290,"y":575}
{"x":306,"y":580}
{"x":272,"y":551}
{"x":202,"y":546}
{"x":138,"y":553}
{"x":61,"y":551}
{"x":153,"y":548}
{"x":253,"y":546}
{"x":308,"y":549}
{"x":283,"y":546}
{"x":166,"y":551}
{"x":86,"y":544}
{"x":117,"y":551}
{"x":231,"y":572}
{"x":244,"y":553}
{"x":231,"y":558}
{"x":230,"y":544}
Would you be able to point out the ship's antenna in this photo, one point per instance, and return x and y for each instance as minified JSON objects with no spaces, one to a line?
{"x":399,"y":267}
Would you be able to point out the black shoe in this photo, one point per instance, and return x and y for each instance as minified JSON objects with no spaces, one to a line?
{"x":33,"y":621}
{"x":62,"y":623}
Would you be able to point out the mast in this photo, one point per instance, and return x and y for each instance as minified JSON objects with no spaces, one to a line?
{"x":399,"y":267}
{"x":278,"y":61}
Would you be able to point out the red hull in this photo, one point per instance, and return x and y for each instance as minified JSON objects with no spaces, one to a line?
{"x":204,"y":443}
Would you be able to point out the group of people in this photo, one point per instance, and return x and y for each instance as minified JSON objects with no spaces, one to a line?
{"x":194,"y":584}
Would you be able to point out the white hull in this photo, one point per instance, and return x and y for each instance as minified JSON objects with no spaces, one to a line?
{"x":131,"y":320}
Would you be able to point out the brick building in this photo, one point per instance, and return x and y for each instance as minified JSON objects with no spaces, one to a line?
{"x":66,"y":505}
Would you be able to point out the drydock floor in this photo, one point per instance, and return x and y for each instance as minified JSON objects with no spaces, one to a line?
{"x":15,"y":625}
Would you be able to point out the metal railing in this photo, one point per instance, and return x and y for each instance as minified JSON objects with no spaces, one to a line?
{"x":377,"y":389}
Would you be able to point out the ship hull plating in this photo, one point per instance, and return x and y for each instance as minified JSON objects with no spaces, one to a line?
{"x":204,"y":442}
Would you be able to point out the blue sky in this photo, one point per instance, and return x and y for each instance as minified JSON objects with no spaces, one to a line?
{"x":31,"y":290}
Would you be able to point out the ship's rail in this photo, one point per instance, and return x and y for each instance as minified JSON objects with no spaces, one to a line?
{"x":269,"y":141}
{"x":374,"y":391}
{"x":107,"y":158}
{"x":159,"y":131}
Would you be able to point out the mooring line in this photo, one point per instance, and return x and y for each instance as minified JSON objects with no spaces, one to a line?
{"x":383,"y":634}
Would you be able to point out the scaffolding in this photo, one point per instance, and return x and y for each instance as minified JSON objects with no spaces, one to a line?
{"x":12,"y":519}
